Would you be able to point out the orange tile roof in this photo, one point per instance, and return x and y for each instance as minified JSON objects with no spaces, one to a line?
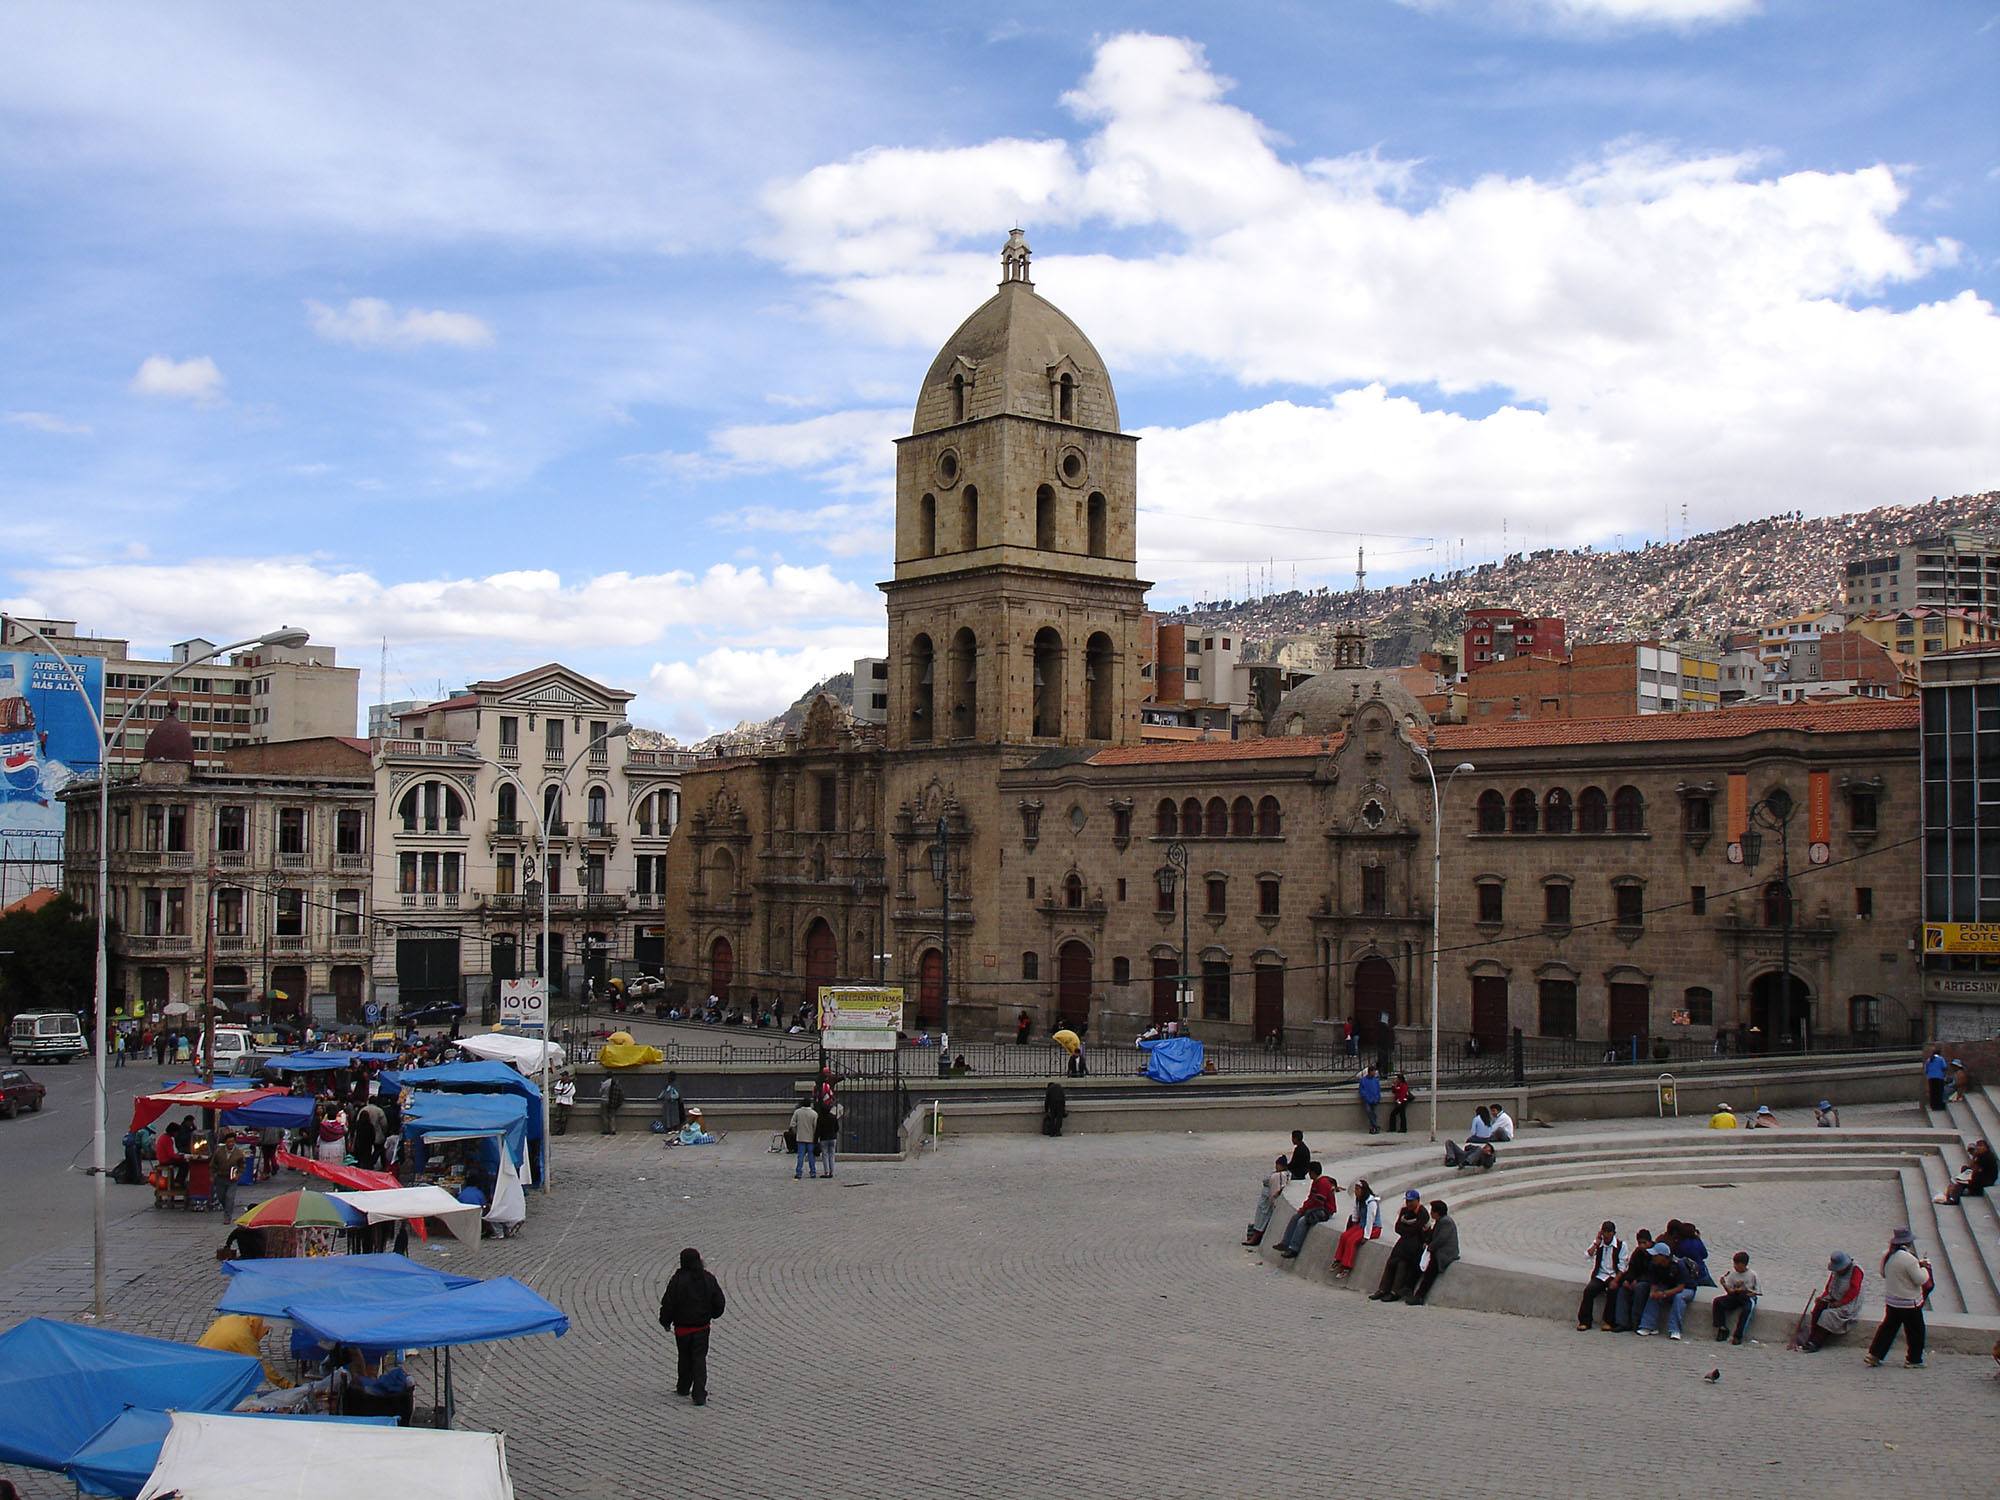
{"x":35,"y":900}
{"x":1172,"y":752}
{"x":1864,"y":717}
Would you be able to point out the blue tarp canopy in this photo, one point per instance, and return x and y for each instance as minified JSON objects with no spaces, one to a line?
{"x":265,"y":1287}
{"x":280,"y":1112}
{"x":1173,"y":1059}
{"x":60,"y":1383}
{"x":427,"y":1114}
{"x":483,"y":1077}
{"x":499,"y":1309}
{"x":121,"y":1458}
{"x":321,"y":1062}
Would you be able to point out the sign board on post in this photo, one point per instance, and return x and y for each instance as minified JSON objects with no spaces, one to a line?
{"x":860,"y":1018}
{"x":523,"y":1005}
{"x":1962,"y":937}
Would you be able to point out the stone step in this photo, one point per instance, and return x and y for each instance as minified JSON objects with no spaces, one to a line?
{"x":1975,"y":1257}
{"x":1921,"y":1215}
{"x":1637,"y":1174}
{"x":1736,"y":1140}
{"x":1444,"y":1178}
{"x":1986,"y":1113}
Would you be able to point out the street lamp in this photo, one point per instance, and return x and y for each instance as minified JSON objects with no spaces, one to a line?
{"x":471,"y":752}
{"x":1774,"y":811}
{"x":288,"y":638}
{"x":1437,"y":891}
{"x":1175,"y":873}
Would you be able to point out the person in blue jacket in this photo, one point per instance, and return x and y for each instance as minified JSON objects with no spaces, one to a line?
{"x":1934,"y":1071}
{"x":1371,"y":1095}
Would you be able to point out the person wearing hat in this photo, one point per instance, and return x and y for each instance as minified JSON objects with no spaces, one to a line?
{"x":1836,"y":1309}
{"x":1934,"y":1076}
{"x":1979,"y":1173}
{"x":1906,"y":1282}
{"x":1825,"y":1115}
{"x":1668,"y":1296}
{"x":1723,"y":1118}
{"x":692,"y":1301}
{"x":1411,"y":1222}
{"x":1764,"y":1119}
{"x":1959,"y":1080}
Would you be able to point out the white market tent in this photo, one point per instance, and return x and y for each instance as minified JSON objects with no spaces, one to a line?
{"x":524,"y":1052}
{"x":383,"y":1205}
{"x":248,"y":1458}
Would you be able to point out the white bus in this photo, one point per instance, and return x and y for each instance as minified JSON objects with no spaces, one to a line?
{"x":39,"y":1035}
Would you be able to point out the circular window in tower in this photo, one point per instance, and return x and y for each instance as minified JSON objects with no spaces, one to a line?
{"x":1070,"y":463}
{"x":947,"y":468}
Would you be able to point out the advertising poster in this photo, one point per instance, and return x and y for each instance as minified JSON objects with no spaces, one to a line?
{"x":46,"y":739}
{"x":860,"y":1018}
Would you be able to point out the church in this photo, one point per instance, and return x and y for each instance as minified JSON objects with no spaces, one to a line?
{"x":1008,"y":842}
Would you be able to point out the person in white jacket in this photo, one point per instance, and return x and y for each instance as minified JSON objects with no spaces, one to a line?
{"x":1906,"y":1282}
{"x":1365,"y":1223}
{"x":805,"y":1130}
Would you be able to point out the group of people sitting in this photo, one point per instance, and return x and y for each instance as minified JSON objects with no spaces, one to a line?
{"x":1647,"y":1289}
{"x":1825,"y":1116}
{"x":1491,"y":1124}
{"x":1426,"y":1236}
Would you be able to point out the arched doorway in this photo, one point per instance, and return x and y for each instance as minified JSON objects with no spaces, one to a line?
{"x":232,"y":987}
{"x":1073,"y":982}
{"x":721,"y":968}
{"x":1374,"y":998}
{"x":822,"y":958}
{"x":930,"y":986}
{"x":1781,"y":1012}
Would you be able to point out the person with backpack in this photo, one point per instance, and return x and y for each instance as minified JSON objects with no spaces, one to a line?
{"x":692,"y":1301}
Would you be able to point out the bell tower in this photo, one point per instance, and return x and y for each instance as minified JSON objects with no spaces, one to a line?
{"x":1016,"y":607}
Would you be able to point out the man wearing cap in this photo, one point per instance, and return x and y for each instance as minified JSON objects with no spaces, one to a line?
{"x":1668,"y":1296}
{"x":1722,"y":1119}
{"x":1836,"y":1309}
{"x":1906,"y":1281}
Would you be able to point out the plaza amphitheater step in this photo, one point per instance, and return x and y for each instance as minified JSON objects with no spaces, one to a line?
{"x":1966,"y":1303}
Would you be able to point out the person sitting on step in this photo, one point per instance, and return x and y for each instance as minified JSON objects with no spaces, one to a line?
{"x":1321,"y":1200}
{"x":1978,"y":1174}
{"x":1835,"y":1310}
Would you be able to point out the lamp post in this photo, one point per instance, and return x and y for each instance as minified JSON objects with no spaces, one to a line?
{"x":1437,"y":892}
{"x":941,"y":872}
{"x":1175,"y":874}
{"x":287,"y":638}
{"x":1774,"y":811}
{"x":542,"y":827}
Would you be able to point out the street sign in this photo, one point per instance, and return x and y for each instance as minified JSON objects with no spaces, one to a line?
{"x":1962,"y":937}
{"x":860,"y":1018}
{"x":371,"y":1013}
{"x":523,"y":1005}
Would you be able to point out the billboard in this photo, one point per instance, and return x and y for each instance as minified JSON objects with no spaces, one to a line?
{"x":1962,"y":937}
{"x":46,"y":738}
{"x":860,"y":1018}
{"x":523,"y":1005}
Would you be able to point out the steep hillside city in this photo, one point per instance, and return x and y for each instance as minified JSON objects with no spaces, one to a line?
{"x":1691,"y":590}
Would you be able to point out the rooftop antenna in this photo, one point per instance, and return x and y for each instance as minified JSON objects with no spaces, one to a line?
{"x":1361,"y":570}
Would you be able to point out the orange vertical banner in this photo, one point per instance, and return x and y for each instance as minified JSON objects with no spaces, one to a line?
{"x":1739,"y":805}
{"x":1819,"y":806}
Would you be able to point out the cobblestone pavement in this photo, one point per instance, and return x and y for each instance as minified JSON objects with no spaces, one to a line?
{"x":1789,"y":1229}
{"x":1022,"y":1316}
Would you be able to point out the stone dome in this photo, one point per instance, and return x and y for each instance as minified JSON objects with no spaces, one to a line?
{"x":1012,"y":356}
{"x":170,"y":740}
{"x":1324,"y":704}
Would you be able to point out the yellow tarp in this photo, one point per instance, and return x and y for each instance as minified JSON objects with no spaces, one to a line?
{"x":239,"y":1333}
{"x":620,"y":1051}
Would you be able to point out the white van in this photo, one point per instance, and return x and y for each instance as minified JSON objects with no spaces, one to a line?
{"x":40,"y":1035}
{"x":233,"y":1050}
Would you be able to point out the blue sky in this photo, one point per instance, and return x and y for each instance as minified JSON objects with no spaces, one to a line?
{"x":515,"y":335}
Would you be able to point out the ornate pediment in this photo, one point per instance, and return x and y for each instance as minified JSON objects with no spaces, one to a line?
{"x":554,"y":696}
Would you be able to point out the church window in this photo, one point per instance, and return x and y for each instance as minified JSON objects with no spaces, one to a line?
{"x":958,"y":398}
{"x":968,"y":507}
{"x":1628,"y":810}
{"x":1374,"y":891}
{"x":964,"y":685}
{"x":1096,"y":525}
{"x":1191,"y":819}
{"x":1525,"y":813}
{"x":1098,"y":678}
{"x":1073,"y":891}
{"x":1048,"y":684}
{"x":927,"y":526}
{"x":1121,"y":971}
{"x":1166,"y":819}
{"x":1215,"y":821}
{"x":1590,"y":811}
{"x":922,"y":686}
{"x":1556,"y":811}
{"x":1492,"y":812}
{"x":1031,"y":966}
{"x":1270,"y":820}
{"x":1045,"y":519}
{"x":1242,"y":819}
{"x":1066,"y":399}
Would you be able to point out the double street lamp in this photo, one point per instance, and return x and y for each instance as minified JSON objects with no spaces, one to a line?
{"x":1437,"y":889}
{"x":551,"y":985}
{"x":1174,"y":873}
{"x":287,"y":638}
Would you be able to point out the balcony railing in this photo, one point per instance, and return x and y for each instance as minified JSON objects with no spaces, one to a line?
{"x":509,"y":828}
{"x":510,"y":754}
{"x":232,"y":859}
{"x":178,"y":859}
{"x":662,"y":759}
{"x":433,"y":825}
{"x":649,"y":900}
{"x":290,"y":942}
{"x":425,"y":749}
{"x":559,"y":829}
{"x":291,"y":861}
{"x":159,"y":942}
{"x":600,"y":830}
{"x":229,"y":942}
{"x":350,"y":940}
{"x":350,"y":861}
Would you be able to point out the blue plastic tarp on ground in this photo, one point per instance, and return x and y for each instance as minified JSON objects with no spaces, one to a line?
{"x":265,"y":1288}
{"x":499,"y":1309}
{"x":1173,"y":1059}
{"x":279,"y":1112}
{"x":60,"y":1383}
{"x":121,"y":1457}
{"x":320,"y":1062}
{"x":429,"y":1114}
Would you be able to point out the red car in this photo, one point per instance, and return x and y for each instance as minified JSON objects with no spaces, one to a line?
{"x":17,"y":1090}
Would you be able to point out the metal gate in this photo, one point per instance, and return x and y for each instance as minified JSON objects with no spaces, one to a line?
{"x":873,"y":1099}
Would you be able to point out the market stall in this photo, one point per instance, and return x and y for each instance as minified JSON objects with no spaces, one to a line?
{"x":323,"y":1062}
{"x":265,"y":1288}
{"x":249,"y":1459}
{"x":522,"y":1052}
{"x":121,"y":1457}
{"x":183,"y":1179}
{"x":471,"y":1140}
{"x":482,"y":1076}
{"x":422,"y":1207}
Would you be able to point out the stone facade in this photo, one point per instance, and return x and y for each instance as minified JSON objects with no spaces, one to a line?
{"x":1302,"y":862}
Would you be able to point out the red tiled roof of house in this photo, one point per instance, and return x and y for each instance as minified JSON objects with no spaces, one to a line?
{"x":1170,"y":752}
{"x":34,"y":901}
{"x":1862,"y":717}
{"x":463,"y":700}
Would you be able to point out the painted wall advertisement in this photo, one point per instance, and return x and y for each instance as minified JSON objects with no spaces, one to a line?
{"x":46,"y":738}
{"x":860,"y":1018}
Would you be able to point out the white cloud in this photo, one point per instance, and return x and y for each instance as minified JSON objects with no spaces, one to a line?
{"x":1680,"y":14}
{"x":371,"y":323}
{"x":44,"y":421}
{"x":1648,"y":329}
{"x":726,"y":686}
{"x":195,"y":380}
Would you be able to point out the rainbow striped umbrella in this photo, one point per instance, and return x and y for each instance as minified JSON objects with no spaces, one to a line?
{"x":301,"y":1208}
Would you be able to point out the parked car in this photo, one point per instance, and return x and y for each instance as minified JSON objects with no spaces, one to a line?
{"x":440,"y":1013}
{"x":17,"y":1092}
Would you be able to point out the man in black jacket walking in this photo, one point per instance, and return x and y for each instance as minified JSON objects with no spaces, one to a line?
{"x":692,"y":1301}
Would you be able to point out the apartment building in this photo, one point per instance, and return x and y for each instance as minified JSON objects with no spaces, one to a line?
{"x":1201,"y":684}
{"x":1961,"y":820}
{"x":462,"y":793}
{"x":1605,"y":680}
{"x":250,"y":882}
{"x":1954,"y":569}
{"x":1841,"y":664}
{"x":871,"y":689}
{"x":1777,"y":640}
{"x":252,"y":697}
{"x":1498,"y":634}
{"x":1923,"y":631}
